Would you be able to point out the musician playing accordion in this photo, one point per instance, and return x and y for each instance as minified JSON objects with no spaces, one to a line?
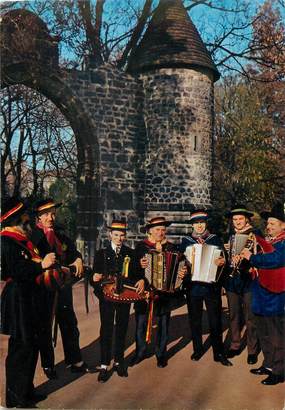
{"x":108,"y":263}
{"x":268,"y":296}
{"x":157,"y":245}
{"x":200,"y":248}
{"x":238,"y":285}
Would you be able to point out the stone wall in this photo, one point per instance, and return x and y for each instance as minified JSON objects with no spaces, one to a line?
{"x":178,"y":113}
{"x":154,"y":138}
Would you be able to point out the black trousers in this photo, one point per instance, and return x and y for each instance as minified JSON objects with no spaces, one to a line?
{"x":271,"y":334}
{"x":109,"y":312}
{"x":195,"y":311}
{"x":161,"y":338}
{"x":21,"y":364}
{"x":67,"y":322}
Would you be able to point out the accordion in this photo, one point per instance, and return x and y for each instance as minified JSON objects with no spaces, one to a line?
{"x":201,"y":258}
{"x":162,"y":270}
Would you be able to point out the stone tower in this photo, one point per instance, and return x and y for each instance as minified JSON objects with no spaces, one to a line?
{"x":178,"y":74}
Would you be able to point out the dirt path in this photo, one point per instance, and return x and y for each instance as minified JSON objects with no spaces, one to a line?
{"x":183,"y":384}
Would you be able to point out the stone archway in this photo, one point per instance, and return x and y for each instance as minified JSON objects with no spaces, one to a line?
{"x":38,"y":69}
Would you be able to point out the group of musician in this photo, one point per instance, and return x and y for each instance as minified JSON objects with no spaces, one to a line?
{"x":39,"y":260}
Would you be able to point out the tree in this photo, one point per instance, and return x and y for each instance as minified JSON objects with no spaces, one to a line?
{"x":37,"y":144}
{"x":62,"y":192}
{"x":108,"y":31}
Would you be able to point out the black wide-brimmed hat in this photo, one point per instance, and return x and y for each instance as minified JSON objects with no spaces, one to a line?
{"x":198,"y":215}
{"x":157,"y":221}
{"x":277,"y":212}
{"x":44,"y":205}
{"x":11,"y":208}
{"x":240,"y":210}
{"x":118,"y":225}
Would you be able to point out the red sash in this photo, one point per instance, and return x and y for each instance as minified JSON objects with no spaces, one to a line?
{"x":22,"y":240}
{"x":50,"y":278}
{"x":272,"y":279}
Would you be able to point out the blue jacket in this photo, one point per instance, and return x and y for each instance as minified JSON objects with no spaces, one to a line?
{"x":264,"y":302}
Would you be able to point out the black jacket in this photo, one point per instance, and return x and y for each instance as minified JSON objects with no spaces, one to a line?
{"x":107,"y":263}
{"x":20,"y":312}
{"x":70,"y":252}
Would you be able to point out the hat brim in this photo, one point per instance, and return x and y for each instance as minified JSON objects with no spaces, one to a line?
{"x":166,"y":223}
{"x":244,"y":213}
{"x":45,"y":209}
{"x":267,"y":214}
{"x":117,"y":229}
{"x":16,"y":214}
{"x":199,"y":218}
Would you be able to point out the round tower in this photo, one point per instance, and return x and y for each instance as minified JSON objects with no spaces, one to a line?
{"x":178,"y":74}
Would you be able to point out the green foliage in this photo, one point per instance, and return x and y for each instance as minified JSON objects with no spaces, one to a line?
{"x":63,"y":192}
{"x":247,"y":149}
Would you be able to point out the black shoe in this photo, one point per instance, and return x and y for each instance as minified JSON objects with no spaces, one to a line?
{"x":22,"y":405}
{"x":273,"y":379}
{"x":162,"y":362}
{"x":50,"y":373}
{"x":103,"y":375}
{"x":232,"y":353}
{"x":261,"y":371}
{"x":36,"y":397}
{"x":28,"y":405}
{"x":121,"y":370}
{"x":222,"y":359}
{"x":79,"y":369}
{"x":252,"y":358}
{"x":197,"y":355}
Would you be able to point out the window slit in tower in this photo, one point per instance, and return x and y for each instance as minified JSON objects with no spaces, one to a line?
{"x":195,"y":142}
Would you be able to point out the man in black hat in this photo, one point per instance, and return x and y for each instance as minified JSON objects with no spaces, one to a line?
{"x":49,"y":238}
{"x":109,"y":261}
{"x":156,"y":240}
{"x":198,"y":292}
{"x":238,"y":285}
{"x":20,"y":317}
{"x":268,"y":302}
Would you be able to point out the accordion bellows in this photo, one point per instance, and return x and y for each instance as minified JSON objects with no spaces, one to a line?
{"x":162,"y":270}
{"x":202,"y":260}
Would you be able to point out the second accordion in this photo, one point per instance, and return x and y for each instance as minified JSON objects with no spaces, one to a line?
{"x":162,"y":270}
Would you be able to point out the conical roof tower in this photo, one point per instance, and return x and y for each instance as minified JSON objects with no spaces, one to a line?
{"x":171,"y":41}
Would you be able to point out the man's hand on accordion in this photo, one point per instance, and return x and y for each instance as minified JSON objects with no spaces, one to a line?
{"x":182,"y":272}
{"x":139,"y":286}
{"x":78,"y":264}
{"x":220,"y":261}
{"x":144,"y":262}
